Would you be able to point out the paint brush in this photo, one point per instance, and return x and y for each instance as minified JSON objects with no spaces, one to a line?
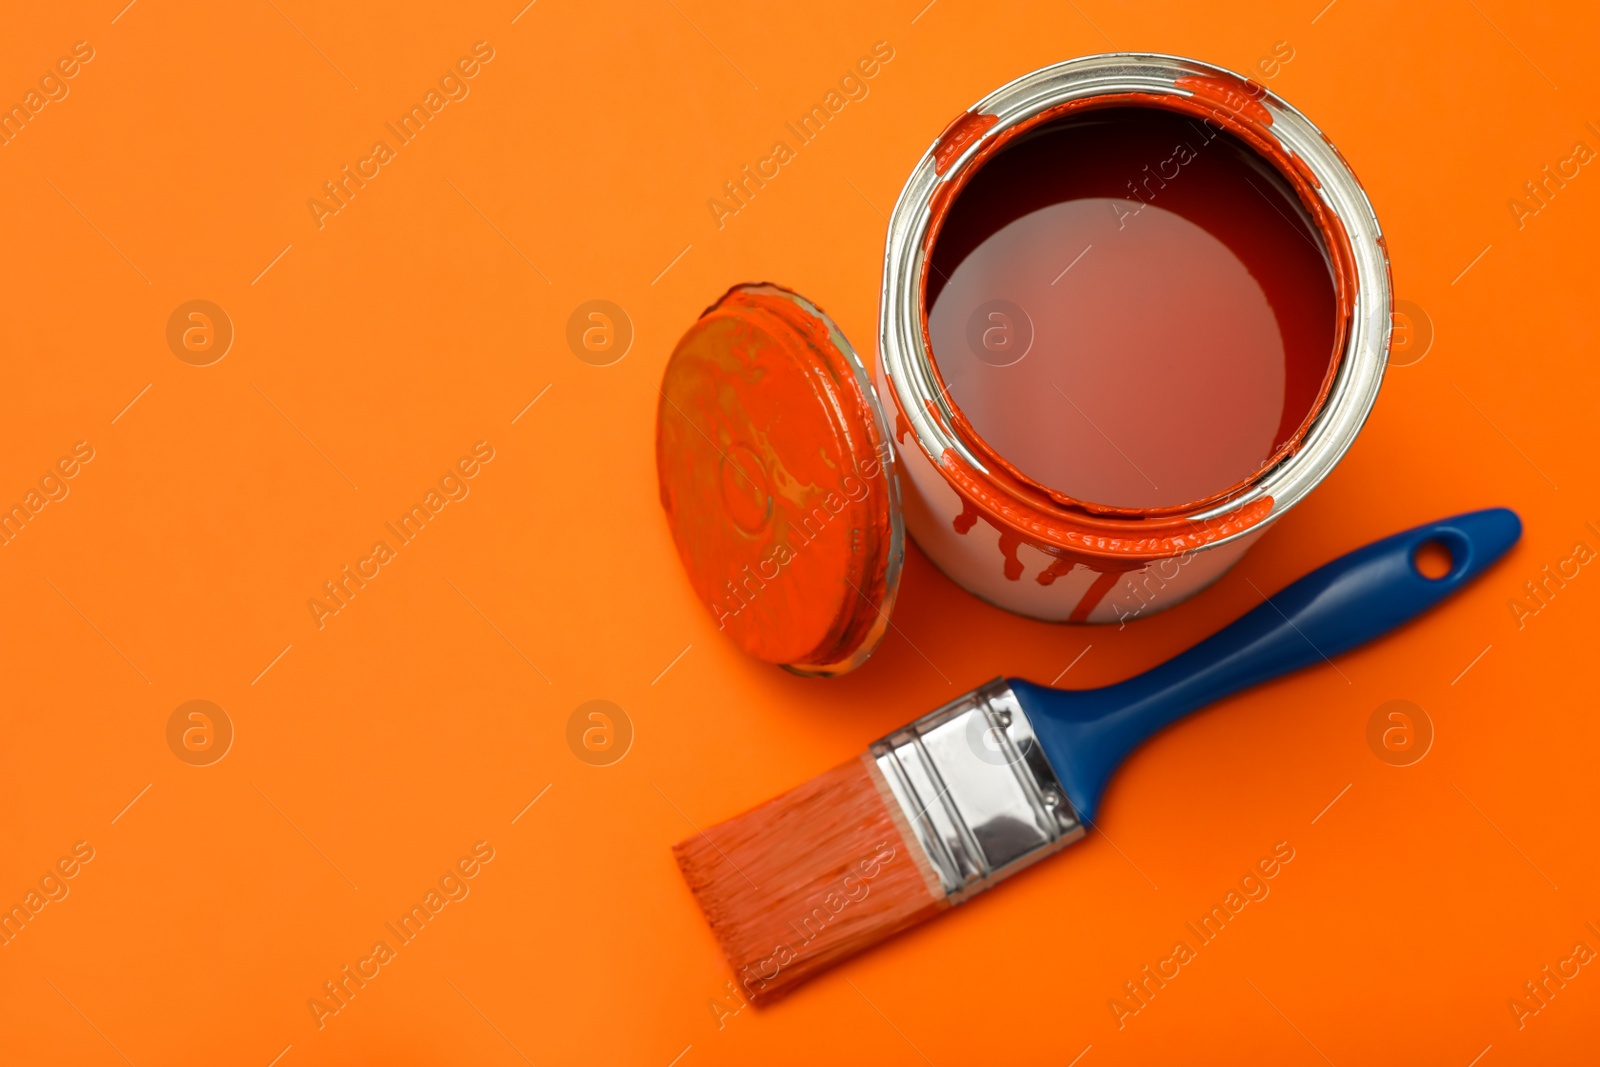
{"x":990,"y":783}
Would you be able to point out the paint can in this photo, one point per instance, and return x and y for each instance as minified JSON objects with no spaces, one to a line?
{"x":1234,"y":390}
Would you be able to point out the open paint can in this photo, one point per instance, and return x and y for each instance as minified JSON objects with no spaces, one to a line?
{"x":1134,"y":308}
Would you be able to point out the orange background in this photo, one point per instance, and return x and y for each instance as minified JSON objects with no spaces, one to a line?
{"x":427,"y":714}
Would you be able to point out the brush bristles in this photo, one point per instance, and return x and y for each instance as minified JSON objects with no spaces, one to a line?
{"x":808,"y":878}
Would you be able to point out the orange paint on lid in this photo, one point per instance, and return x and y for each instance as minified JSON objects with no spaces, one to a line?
{"x":777,"y":478}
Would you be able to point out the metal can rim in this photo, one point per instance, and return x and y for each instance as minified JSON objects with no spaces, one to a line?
{"x":908,"y":364}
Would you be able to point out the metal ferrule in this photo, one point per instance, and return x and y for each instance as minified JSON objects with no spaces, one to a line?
{"x":976,"y":790}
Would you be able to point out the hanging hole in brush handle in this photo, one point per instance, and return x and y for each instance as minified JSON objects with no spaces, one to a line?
{"x":1433,"y":559}
{"x":1342,"y":604}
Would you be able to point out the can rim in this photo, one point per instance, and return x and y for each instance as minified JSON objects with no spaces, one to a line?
{"x":908,"y":363}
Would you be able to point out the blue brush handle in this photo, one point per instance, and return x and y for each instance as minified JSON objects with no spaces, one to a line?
{"x":1086,"y":734}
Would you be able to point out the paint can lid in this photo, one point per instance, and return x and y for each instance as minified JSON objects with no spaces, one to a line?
{"x":777,"y":476}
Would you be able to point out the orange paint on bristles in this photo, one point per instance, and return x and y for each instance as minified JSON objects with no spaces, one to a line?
{"x":809,"y":878}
